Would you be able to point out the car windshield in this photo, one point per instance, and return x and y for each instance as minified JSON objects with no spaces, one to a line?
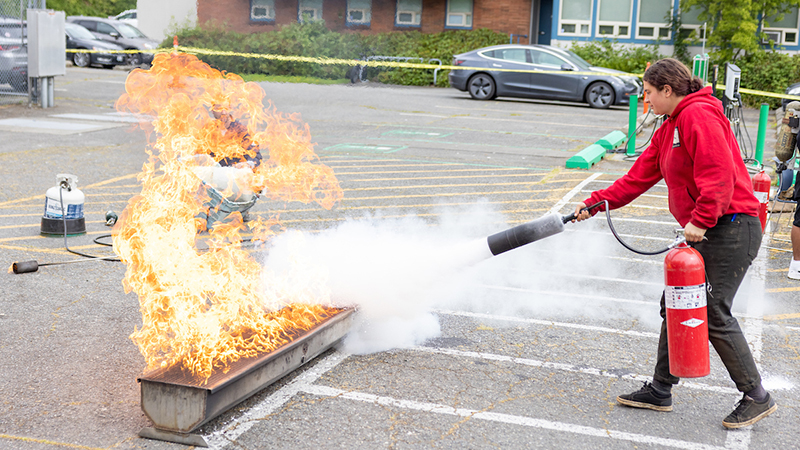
{"x":578,"y":59}
{"x":129,"y":31}
{"x":78,"y":32}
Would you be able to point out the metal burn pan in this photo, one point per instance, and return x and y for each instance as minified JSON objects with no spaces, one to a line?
{"x":178,"y":403}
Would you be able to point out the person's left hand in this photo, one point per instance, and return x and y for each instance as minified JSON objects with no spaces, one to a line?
{"x":693,"y":233}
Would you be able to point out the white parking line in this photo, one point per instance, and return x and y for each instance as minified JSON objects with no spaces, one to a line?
{"x":565,"y":294}
{"x":568,"y":368}
{"x":240,"y":425}
{"x":325,"y":391}
{"x":547,"y":323}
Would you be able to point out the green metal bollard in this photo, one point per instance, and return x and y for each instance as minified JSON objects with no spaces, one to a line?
{"x":762,"y":134}
{"x":633,"y":110}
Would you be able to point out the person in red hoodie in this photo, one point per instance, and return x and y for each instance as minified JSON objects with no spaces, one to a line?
{"x":711,"y":196}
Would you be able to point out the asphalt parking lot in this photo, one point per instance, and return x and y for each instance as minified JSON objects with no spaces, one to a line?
{"x":523,"y":350}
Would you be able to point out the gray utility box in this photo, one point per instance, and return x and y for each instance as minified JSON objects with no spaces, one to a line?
{"x":47,"y":44}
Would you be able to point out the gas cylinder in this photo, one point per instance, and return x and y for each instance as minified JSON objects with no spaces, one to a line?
{"x":687,"y":319}
{"x":57,"y":215}
{"x":761,"y":184}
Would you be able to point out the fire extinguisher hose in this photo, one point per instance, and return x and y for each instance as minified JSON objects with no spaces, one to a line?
{"x":677,"y":242}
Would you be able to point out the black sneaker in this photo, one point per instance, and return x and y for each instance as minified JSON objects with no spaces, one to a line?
{"x":646,"y":397}
{"x":749,"y":411}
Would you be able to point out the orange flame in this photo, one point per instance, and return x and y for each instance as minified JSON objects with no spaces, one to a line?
{"x":203,"y":310}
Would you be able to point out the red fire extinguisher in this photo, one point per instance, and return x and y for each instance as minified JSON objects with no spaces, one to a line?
{"x":761,"y":184}
{"x":687,"y":320}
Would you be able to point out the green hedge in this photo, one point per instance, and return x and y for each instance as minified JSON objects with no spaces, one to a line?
{"x":766,"y":71}
{"x":614,"y":56}
{"x":763,"y":71}
{"x":315,"y":40}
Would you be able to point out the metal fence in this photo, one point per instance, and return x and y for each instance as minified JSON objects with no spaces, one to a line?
{"x":14,"y":50}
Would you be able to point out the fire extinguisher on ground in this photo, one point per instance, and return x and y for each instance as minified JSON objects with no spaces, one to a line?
{"x":761,"y":184}
{"x":687,"y":318}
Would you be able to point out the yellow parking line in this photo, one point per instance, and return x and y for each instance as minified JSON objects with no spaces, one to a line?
{"x":88,"y":186}
{"x":454,"y":194}
{"x":47,"y":442}
{"x":783,"y":316}
{"x":477,"y":169}
{"x":112,"y":180}
{"x":788,"y":289}
{"x":431,"y":186}
{"x":6,"y":227}
{"x":505,"y":175}
{"x":22,"y":238}
{"x":400,"y":216}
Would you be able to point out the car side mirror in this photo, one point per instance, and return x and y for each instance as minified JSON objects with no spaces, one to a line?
{"x":566,"y":67}
{"x":114,"y":35}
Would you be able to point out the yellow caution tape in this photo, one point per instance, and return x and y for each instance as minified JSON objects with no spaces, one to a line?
{"x":395,"y":64}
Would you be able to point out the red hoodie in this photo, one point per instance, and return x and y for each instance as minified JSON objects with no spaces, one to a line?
{"x":697,"y":155}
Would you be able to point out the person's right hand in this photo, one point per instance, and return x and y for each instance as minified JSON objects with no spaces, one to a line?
{"x":581,"y":215}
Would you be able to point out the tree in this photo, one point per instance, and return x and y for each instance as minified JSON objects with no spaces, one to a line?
{"x":734,"y":26}
{"x":98,"y":8}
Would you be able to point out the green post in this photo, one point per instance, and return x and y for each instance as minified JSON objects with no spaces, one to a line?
{"x":697,"y":66}
{"x":762,"y":133}
{"x":633,"y":109}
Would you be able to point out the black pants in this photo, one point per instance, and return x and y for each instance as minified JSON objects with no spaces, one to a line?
{"x":731,"y":246}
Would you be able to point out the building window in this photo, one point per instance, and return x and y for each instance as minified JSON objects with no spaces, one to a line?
{"x":459,"y":14}
{"x":614,"y":18}
{"x":691,"y":25}
{"x":309,"y":10}
{"x":262,"y":10}
{"x":359,"y":12}
{"x":409,"y":13}
{"x":653,"y":19}
{"x":783,"y":31}
{"x":575,"y":18}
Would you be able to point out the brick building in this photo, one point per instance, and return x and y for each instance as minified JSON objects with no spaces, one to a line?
{"x":556,"y":22}
{"x":372,"y":16}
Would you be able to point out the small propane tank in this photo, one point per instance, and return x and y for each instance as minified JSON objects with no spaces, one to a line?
{"x":761,"y":184}
{"x":70,"y":213}
{"x":687,"y":319}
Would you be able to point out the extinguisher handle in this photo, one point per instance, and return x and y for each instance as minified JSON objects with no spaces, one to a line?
{"x":573,"y":216}
{"x":678,"y":241}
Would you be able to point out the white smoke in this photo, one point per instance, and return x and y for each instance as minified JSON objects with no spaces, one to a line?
{"x":398,"y":271}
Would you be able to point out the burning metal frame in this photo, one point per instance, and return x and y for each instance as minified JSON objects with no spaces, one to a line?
{"x":178,"y":403}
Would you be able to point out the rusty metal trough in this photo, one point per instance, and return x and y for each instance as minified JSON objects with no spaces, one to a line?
{"x":178,"y":403}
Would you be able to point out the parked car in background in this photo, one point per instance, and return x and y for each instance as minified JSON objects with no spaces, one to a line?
{"x":128,"y":16}
{"x":120,"y":33}
{"x":79,"y":38}
{"x":14,"y":53}
{"x":597,"y":86}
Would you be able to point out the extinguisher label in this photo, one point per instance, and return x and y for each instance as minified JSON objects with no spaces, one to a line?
{"x":763,"y":197}
{"x":685,"y":297}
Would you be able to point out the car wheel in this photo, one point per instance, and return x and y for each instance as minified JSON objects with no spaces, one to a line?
{"x":81,"y":59}
{"x":135,"y":59}
{"x":600,"y":95}
{"x":482,"y":87}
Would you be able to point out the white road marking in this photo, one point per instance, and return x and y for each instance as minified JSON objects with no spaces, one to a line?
{"x":566,"y":294}
{"x":325,"y":391}
{"x":243,"y":423}
{"x":568,"y":368}
{"x":547,"y":323}
{"x":568,"y":196}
